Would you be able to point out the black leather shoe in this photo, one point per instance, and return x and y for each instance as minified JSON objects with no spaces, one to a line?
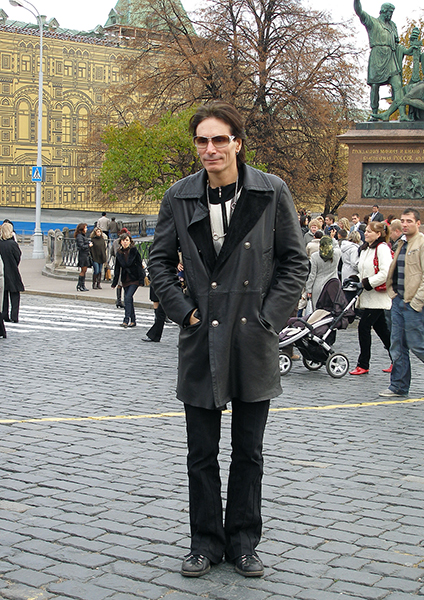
{"x":195,"y":565}
{"x":147,"y":339}
{"x":249,"y":565}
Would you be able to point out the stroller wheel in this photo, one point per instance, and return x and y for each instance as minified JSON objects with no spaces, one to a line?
{"x":337,"y":365}
{"x":285,"y":363}
{"x":312,"y":365}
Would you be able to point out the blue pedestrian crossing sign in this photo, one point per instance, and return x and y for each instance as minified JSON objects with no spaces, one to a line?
{"x":38,"y":174}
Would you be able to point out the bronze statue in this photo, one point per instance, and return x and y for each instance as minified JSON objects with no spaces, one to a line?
{"x":413,"y":92}
{"x":414,"y":98}
{"x":385,"y":61}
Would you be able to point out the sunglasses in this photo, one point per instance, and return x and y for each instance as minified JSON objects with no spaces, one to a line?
{"x":219,"y":141}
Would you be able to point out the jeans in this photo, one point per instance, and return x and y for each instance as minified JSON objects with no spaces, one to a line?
{"x":407,"y":334}
{"x":371,"y":318}
{"x":129,"y":292}
{"x":243,"y":523}
{"x":97,"y":268}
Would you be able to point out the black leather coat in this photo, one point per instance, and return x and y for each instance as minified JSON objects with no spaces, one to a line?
{"x":244,"y":296}
{"x":83,"y":250}
{"x":11,"y":255}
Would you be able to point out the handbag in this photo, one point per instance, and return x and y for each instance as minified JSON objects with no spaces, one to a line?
{"x":382,"y":287}
{"x":309,"y":309}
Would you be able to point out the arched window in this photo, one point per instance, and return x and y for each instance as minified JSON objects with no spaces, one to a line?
{"x":23,"y":121}
{"x":82,"y":124}
{"x":66,"y":125}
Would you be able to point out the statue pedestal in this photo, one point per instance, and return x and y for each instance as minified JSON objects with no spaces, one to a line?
{"x":386,"y":167}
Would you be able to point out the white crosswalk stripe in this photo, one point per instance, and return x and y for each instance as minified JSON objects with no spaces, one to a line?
{"x":73,"y":317}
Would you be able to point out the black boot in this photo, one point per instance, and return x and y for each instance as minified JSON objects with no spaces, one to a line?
{"x":119,"y":303}
{"x":94,"y":281}
{"x":80,"y":283}
{"x":99,"y":278}
{"x":83,"y":288}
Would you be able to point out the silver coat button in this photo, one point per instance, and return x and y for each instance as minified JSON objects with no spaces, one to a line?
{"x":243,"y":320}
{"x":215,"y":323}
{"x":247,"y":245}
{"x":214,"y":285}
{"x":246,"y":283}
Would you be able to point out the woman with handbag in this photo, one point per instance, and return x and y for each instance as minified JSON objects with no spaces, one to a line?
{"x":84,"y":259}
{"x":129,"y":267}
{"x":374,"y":261}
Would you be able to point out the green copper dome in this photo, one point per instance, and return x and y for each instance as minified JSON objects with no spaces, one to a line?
{"x":145,"y":14}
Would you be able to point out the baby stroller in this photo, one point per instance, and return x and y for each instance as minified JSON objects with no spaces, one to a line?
{"x":314,"y":336}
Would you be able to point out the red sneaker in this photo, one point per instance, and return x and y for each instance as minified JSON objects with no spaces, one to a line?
{"x":359,"y":371}
{"x":389,"y":370}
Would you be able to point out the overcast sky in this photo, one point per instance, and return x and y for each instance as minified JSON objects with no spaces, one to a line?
{"x":86,"y":14}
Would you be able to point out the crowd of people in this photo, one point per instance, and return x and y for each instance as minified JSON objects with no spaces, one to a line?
{"x":382,"y":255}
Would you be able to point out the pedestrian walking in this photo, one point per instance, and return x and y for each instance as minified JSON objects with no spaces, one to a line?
{"x":98,"y":255}
{"x":84,"y":259}
{"x":245,"y":266}
{"x":113,"y":229}
{"x":155,"y":332}
{"x":13,"y":286}
{"x":129,"y":269}
{"x":373,"y":267}
{"x":104,"y":223}
{"x":405,"y":285}
{"x":2,"y":326}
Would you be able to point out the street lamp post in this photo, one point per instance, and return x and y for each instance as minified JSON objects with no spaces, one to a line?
{"x":38,"y":250}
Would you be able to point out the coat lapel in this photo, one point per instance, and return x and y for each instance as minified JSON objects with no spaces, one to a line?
{"x":200,"y":232}
{"x":256,"y":195}
{"x":247,"y":213}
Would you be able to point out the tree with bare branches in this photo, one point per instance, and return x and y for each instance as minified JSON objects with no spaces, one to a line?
{"x":290,"y":71}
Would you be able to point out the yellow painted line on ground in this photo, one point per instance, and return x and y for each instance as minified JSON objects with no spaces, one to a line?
{"x":181,"y":414}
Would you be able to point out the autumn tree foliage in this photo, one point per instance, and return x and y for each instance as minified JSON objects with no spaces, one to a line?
{"x":289,"y":70}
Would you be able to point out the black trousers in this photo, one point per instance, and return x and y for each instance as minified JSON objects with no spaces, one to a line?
{"x":371,"y":318}
{"x":15,"y":298}
{"x":242,"y":530}
{"x":156,"y":330}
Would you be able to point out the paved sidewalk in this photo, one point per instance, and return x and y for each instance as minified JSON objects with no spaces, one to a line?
{"x":93,"y":490}
{"x":38,"y":284}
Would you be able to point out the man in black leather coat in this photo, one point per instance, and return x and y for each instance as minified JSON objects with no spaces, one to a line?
{"x":245,"y":266}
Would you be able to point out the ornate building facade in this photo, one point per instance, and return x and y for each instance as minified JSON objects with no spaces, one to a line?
{"x":78,"y":68}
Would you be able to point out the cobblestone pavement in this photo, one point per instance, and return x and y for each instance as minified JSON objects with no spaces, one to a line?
{"x":93,"y":493}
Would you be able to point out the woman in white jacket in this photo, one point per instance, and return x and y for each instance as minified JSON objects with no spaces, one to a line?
{"x":372,"y":302}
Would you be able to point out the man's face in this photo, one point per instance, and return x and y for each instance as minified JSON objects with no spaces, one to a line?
{"x":328,"y":221}
{"x":409,"y":225}
{"x":375,"y":209}
{"x":218,"y":161}
{"x":395,"y":234}
{"x":355,"y":219}
{"x":387,"y":14}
